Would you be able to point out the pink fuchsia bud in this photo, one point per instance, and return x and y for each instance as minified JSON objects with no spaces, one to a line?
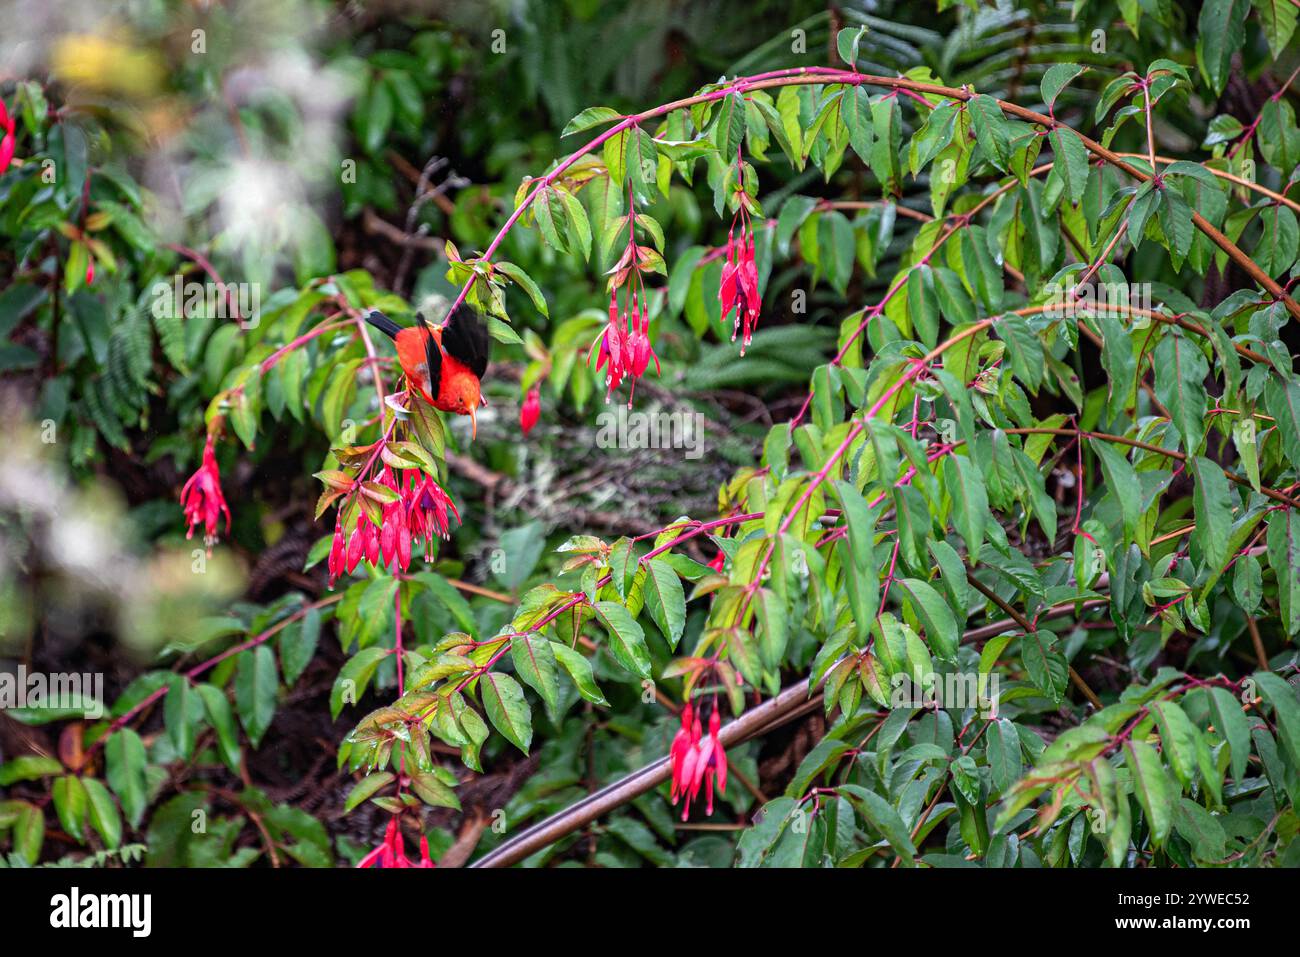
{"x":718,"y":561}
{"x":90,"y":270}
{"x":531,"y":410}
{"x":338,"y":554}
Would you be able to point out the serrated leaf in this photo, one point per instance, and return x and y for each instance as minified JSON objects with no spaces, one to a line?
{"x":665,"y":600}
{"x":503,"y":700}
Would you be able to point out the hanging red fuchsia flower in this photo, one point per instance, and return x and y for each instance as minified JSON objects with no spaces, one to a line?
{"x":201,"y":498}
{"x":392,"y":851}
{"x":530,"y":410}
{"x":710,"y":766}
{"x":718,"y":561}
{"x":697,"y":761}
{"x":613,"y":349}
{"x":686,"y":753}
{"x":7,"y":138}
{"x":421,"y":513}
{"x":683,"y":743}
{"x":625,"y":347}
{"x":739,"y":288}
{"x":427,"y":509}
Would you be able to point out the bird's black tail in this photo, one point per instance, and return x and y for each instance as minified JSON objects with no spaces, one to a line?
{"x":383,"y":323}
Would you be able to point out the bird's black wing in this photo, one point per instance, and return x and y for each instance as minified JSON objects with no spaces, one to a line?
{"x":432,"y":354}
{"x":465,"y":337}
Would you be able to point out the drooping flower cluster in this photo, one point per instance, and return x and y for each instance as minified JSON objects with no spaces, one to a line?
{"x":739,"y":287}
{"x":7,"y":138}
{"x":201,"y":497}
{"x":625,"y":349}
{"x":697,"y":761}
{"x":420,"y":513}
{"x":530,"y":410}
{"x":392,"y":851}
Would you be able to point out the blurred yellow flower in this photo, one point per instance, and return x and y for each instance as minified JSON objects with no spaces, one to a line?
{"x":103,"y":63}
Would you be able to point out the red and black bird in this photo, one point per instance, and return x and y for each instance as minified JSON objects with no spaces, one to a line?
{"x":446,"y":363}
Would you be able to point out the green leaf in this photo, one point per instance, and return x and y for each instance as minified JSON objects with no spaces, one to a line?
{"x":1070,"y":162}
{"x":28,"y":833}
{"x":367,"y":787}
{"x":847,"y":42}
{"x":298,"y":643}
{"x":1117,"y":359}
{"x":222,"y":720}
{"x":775,"y":628}
{"x":376,"y":116}
{"x":1234,"y":728}
{"x":433,"y":791}
{"x":71,"y":804}
{"x":1282,"y":396}
{"x":591,"y":116}
{"x":179,"y":714}
{"x":1003,"y":753}
{"x":991,"y":129}
{"x":103,"y":813}
{"x":1286,"y":712}
{"x":729,"y":127}
{"x":1056,"y":78}
{"x":1214,"y":503}
{"x":1283,"y":543}
{"x":970,"y":504}
{"x":1201,"y":829}
{"x":1047,"y":669}
{"x":1176,"y":222}
{"x":256,"y":685}
{"x":28,"y":767}
{"x":535,"y":663}
{"x":884,"y":818}
{"x":626,"y":639}
{"x":125,"y":760}
{"x":859,"y":570}
{"x":855,"y":108}
{"x":1178,"y":738}
{"x":1220,"y":33}
{"x":1278,"y":18}
{"x":1152,"y":787}
{"x":1122,"y":482}
{"x":506,"y":708}
{"x":525,"y":281}
{"x":665,"y":600}
{"x":934,"y":614}
{"x":579,"y":669}
{"x":348,"y":688}
{"x":1180,"y":384}
{"x":548,"y":208}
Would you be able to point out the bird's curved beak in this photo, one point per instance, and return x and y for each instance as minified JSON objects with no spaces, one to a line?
{"x":473,"y":422}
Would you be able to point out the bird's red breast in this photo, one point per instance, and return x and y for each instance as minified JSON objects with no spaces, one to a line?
{"x":444,"y":364}
{"x":459,"y":389}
